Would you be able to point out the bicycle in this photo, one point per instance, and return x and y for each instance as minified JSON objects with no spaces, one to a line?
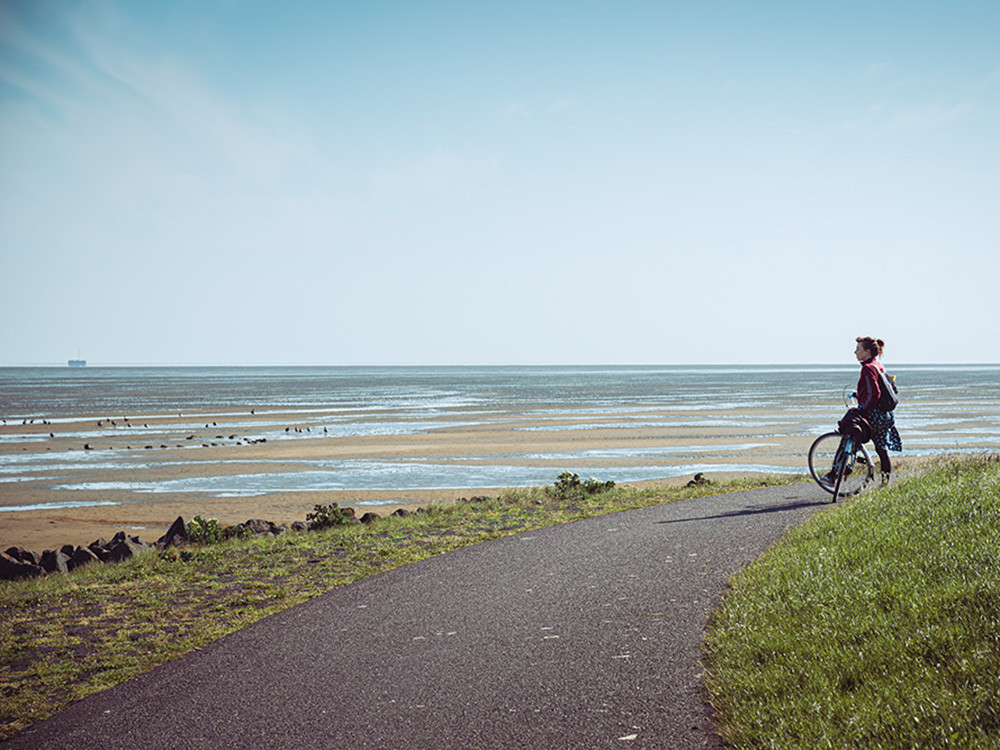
{"x":838,"y":464}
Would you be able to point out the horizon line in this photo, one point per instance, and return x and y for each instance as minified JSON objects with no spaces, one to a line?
{"x":64,"y":364}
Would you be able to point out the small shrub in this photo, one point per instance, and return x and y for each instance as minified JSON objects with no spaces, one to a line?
{"x":568,"y":485}
{"x":204,"y":530}
{"x":239,"y":531}
{"x":325,"y":516}
{"x":592,"y":486}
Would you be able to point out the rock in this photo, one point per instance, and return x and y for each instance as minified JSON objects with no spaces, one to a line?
{"x":176,"y":534}
{"x":300,"y":526}
{"x":16,"y":570}
{"x":370,"y":517}
{"x":123,"y":547}
{"x":699,"y":479}
{"x":260,"y":526}
{"x":119,"y":551}
{"x":82,"y":556}
{"x":401,"y":512}
{"x":55,"y":561}
{"x":23,"y":555}
{"x":100,"y":548}
{"x":135,"y":541}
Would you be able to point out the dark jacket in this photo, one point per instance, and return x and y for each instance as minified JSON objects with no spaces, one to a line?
{"x":868,"y":388}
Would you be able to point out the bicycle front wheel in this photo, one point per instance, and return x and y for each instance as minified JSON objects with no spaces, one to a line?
{"x":823,"y":457}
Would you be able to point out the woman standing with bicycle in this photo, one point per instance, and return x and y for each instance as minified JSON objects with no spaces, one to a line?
{"x":883,"y":425}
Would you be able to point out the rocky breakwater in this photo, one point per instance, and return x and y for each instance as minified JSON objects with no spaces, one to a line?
{"x":18,"y":563}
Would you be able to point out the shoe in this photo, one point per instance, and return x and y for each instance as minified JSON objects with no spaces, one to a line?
{"x":828,"y":480}
{"x":885,"y":478}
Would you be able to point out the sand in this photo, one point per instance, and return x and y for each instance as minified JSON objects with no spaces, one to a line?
{"x":156,"y":449}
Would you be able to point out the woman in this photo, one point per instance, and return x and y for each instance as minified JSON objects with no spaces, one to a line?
{"x":884,"y":433}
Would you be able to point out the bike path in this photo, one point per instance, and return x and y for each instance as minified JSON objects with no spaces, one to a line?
{"x":584,"y":635}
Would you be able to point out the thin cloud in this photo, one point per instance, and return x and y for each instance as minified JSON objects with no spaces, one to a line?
{"x":879,"y":116}
{"x":875,"y":70}
{"x":514,"y":111}
{"x":45,"y":72}
{"x":430,"y":172}
{"x":987,"y":82}
{"x":928,"y":117}
{"x":110,"y":90}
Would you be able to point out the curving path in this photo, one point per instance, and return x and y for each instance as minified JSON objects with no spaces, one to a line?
{"x":586,"y":635}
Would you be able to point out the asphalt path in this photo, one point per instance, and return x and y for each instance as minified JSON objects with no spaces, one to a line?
{"x":584,"y":635}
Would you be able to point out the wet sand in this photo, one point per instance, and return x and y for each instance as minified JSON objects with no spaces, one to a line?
{"x":72,"y":478}
{"x":58,"y":457}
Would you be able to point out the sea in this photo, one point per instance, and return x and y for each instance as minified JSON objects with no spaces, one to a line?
{"x":721,"y":418}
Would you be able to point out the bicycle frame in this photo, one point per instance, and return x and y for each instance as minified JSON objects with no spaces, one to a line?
{"x":834,"y":463}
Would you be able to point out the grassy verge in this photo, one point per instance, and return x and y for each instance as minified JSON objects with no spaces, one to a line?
{"x":874,"y":625}
{"x":65,"y":636}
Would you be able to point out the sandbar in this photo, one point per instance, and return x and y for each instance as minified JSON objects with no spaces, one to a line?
{"x":75,"y":481}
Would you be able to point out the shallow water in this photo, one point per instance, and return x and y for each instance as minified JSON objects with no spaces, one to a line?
{"x":621,"y":423}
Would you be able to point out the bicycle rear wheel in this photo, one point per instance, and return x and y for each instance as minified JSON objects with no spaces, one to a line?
{"x":823,"y":456}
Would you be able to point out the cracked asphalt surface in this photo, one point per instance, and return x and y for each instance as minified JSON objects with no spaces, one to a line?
{"x":585,"y":635}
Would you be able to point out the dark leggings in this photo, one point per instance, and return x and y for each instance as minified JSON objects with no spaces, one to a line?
{"x":883,"y":458}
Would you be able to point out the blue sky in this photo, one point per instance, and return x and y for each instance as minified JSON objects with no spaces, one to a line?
{"x":498,"y":182}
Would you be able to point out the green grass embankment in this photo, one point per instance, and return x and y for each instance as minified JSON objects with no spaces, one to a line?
{"x":873,"y":625}
{"x":65,"y":636}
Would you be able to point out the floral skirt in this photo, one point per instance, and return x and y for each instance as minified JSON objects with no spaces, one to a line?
{"x":884,"y":432}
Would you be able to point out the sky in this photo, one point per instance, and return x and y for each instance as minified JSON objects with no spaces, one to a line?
{"x":446,"y":182}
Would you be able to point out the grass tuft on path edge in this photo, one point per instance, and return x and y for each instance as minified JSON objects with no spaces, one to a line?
{"x":874,"y":625}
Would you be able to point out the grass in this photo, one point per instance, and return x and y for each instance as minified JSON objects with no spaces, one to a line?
{"x":873,"y":625}
{"x":63,"y":637}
